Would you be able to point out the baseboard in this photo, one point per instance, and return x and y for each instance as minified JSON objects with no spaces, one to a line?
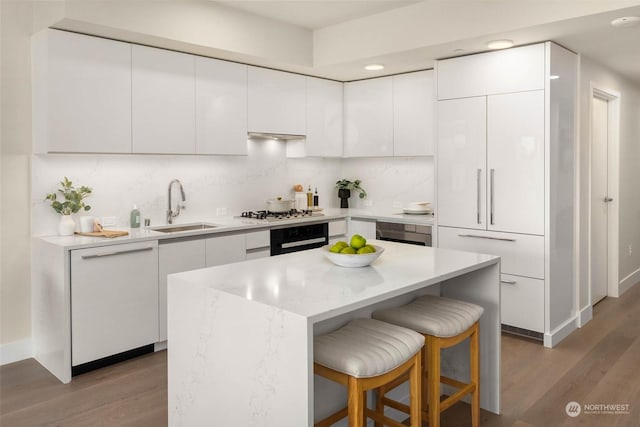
{"x":15,"y":351}
{"x":628,"y":282}
{"x":585,"y":316}
{"x":552,"y":339}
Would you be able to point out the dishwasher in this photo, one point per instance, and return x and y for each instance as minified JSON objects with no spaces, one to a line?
{"x":413,"y":234}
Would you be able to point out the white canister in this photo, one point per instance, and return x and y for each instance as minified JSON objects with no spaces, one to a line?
{"x":86,"y":224}
{"x":300,"y":200}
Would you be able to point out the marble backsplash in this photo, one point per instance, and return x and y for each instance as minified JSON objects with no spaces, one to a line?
{"x":219,"y":185}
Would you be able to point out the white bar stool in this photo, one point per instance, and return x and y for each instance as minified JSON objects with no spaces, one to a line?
{"x":364,"y":355}
{"x":444,"y":322}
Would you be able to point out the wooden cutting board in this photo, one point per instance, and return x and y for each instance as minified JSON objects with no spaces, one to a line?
{"x":105,"y":233}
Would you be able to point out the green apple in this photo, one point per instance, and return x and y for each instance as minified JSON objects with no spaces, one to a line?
{"x":368,"y":249}
{"x":357,"y":241}
{"x":348,"y":250}
{"x":338,"y":246}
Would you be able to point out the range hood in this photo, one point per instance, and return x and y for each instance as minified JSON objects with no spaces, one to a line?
{"x":276,"y":136}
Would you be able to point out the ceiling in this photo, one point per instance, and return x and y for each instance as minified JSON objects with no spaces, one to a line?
{"x":589,"y":34}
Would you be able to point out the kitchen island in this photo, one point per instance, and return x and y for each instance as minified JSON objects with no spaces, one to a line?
{"x":241,"y":335}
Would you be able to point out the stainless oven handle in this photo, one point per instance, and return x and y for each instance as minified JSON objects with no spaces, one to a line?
{"x":303,"y":242}
{"x":504,"y":239}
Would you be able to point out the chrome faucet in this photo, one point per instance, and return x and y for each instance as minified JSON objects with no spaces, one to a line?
{"x":170,"y":213}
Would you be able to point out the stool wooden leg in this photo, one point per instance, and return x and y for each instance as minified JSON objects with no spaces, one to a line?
{"x":433,"y":386}
{"x":425,"y":381}
{"x":415,"y":398}
{"x":475,"y":377}
{"x":356,"y":405}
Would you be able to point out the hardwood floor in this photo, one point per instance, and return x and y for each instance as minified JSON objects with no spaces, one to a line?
{"x":598,"y":364}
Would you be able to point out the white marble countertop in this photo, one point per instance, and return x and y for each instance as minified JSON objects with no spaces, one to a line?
{"x":227,"y":224}
{"x":307,"y":284}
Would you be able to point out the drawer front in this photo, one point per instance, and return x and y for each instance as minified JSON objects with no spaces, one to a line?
{"x":258,"y":239}
{"x":522,"y":302}
{"x":337,"y":228}
{"x":521,"y":254}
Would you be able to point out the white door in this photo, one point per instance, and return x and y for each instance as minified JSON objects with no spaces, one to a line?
{"x":461,"y":179}
{"x":515,"y":162}
{"x":599,"y":195}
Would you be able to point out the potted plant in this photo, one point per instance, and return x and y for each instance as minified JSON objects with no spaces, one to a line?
{"x":73,"y":203}
{"x":344,"y":187}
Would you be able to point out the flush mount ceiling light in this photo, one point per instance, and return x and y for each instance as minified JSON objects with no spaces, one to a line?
{"x":500,"y":44}
{"x":374,"y":67}
{"x":626,"y":21}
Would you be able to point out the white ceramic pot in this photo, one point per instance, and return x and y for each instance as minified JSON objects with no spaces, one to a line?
{"x":66,"y":226}
{"x":279,"y":205}
{"x":86,"y":224}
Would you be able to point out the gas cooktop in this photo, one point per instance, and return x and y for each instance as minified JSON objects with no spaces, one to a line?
{"x":279,"y":216}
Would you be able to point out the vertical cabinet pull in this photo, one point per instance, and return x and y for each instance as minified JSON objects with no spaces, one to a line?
{"x":492,"y":172}
{"x":478,"y":190}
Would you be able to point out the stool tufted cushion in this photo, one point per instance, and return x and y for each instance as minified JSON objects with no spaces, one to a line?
{"x":436,"y":316}
{"x":366,"y":348}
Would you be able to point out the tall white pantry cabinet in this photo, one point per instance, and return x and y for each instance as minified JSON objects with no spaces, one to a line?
{"x":505,"y":177}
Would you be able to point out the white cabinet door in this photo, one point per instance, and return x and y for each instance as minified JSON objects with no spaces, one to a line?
{"x":163,"y":85}
{"x":226,"y":249}
{"x":461,"y":175}
{"x":324,"y":118}
{"x":176,"y":257}
{"x":81,"y":94}
{"x":510,"y":70}
{"x":277,"y":102}
{"x":221,"y":107}
{"x":114,"y":300}
{"x":413,"y":114}
{"x":365,"y":228}
{"x":522,"y":302}
{"x":515,"y":162}
{"x":368,"y":118}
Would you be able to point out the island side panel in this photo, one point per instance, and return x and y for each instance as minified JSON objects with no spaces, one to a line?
{"x":235,"y":362}
{"x":51,"y":308}
{"x":480,"y":287}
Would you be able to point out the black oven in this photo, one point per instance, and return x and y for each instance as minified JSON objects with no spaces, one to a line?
{"x":404,"y":233}
{"x":299,"y":238}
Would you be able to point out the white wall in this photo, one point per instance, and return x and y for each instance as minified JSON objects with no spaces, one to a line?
{"x":629,"y":173}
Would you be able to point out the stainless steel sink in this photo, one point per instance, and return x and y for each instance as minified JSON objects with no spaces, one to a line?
{"x":183,"y":227}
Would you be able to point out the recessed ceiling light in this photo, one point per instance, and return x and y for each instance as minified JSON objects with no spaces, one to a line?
{"x":374,"y":67}
{"x":500,"y":44}
{"x":626,"y":21}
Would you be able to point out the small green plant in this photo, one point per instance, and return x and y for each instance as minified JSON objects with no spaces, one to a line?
{"x":73,"y":198}
{"x":345,"y":184}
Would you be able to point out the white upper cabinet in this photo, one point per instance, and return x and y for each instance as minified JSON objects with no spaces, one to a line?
{"x":163,"y":84}
{"x":462,"y":164}
{"x":515,"y":162}
{"x":510,"y":70}
{"x":221,"y":107}
{"x":81,"y":94}
{"x":368,"y":118}
{"x":324,"y":118}
{"x":413,"y":114}
{"x":277,"y":102}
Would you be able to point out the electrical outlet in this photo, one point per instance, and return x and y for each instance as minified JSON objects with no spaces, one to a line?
{"x":397,"y":205}
{"x":221,"y":211}
{"x":108,"y":221}
{"x":630,"y":249}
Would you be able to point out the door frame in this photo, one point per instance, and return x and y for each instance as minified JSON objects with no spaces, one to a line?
{"x":613,"y":168}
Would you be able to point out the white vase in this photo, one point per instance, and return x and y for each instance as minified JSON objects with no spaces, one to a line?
{"x":66,"y":226}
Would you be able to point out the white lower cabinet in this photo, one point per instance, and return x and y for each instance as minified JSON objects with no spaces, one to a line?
{"x":337,"y":231}
{"x":114,"y":300}
{"x":258,"y":244}
{"x":225,"y":249}
{"x":522,"y":302}
{"x":365,"y":228}
{"x":176,"y":256}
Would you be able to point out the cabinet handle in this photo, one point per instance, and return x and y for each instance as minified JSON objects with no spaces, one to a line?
{"x":478,"y":190}
{"x":493,"y":171}
{"x":128,"y":251}
{"x":608,"y":199}
{"x":508,"y":282}
{"x":475,"y":236}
